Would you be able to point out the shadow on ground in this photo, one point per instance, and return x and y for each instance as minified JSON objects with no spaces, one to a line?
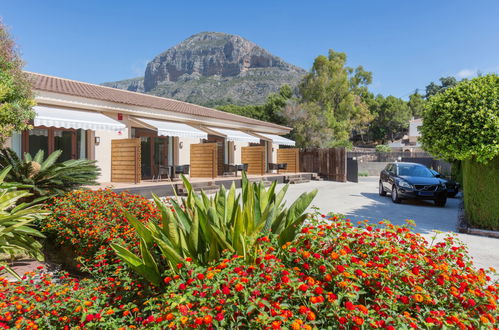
{"x":427,"y":216}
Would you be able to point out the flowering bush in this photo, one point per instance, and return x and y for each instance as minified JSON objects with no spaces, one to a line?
{"x":41,"y":302}
{"x":336,"y":275}
{"x":391,"y":277}
{"x":87,"y":221}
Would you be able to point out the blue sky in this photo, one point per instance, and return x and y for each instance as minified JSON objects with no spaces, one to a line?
{"x":406,"y":44}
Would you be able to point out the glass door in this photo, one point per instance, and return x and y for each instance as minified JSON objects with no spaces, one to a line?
{"x":64,"y":140}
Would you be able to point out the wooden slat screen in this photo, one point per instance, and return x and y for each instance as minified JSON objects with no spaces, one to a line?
{"x":204,"y":160}
{"x":255,"y":158}
{"x":125,"y":160}
{"x":327,"y":162}
{"x":290,"y":156}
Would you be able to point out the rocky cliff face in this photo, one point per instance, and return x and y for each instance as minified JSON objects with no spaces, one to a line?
{"x":214,"y":68}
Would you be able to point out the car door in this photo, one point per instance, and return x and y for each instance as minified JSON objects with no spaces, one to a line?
{"x":384,"y":175}
{"x":388,"y":183}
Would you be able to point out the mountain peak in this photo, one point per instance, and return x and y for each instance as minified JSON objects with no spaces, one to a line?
{"x":211,"y":65}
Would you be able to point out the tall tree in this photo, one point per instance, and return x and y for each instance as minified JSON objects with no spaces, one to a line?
{"x":416,"y":103}
{"x":445,"y":82}
{"x":16,"y":98}
{"x":332,"y":87}
{"x":392,"y":117}
{"x":307,"y":120}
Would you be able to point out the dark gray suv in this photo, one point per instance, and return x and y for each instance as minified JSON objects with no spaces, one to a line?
{"x":411,"y":181}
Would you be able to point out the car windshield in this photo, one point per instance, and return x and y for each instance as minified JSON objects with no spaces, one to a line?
{"x":413,"y":170}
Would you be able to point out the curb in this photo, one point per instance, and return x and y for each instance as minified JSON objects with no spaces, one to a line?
{"x":464,"y":228}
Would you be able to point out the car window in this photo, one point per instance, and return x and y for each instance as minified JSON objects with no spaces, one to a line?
{"x":389,"y":168}
{"x":414,"y":170}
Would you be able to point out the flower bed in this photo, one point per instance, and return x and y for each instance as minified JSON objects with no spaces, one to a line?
{"x":333,"y":274}
{"x":87,"y":221}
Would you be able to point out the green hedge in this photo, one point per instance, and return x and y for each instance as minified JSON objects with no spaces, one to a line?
{"x":481,"y":193}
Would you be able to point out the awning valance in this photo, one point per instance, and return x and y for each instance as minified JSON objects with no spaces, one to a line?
{"x":276,"y":139}
{"x":69,"y":118}
{"x":168,"y":128}
{"x":234,"y":135}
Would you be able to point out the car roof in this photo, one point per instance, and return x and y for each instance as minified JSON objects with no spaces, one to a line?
{"x":407,"y":163}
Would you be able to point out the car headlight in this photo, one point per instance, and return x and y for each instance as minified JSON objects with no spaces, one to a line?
{"x":404,"y":184}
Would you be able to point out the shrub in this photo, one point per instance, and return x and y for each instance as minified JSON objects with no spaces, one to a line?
{"x":46,"y":177}
{"x":85,"y":222}
{"x":481,"y":193}
{"x":40,"y":301}
{"x":201,"y":228}
{"x":463,"y":121}
{"x":16,"y":231}
{"x":383,"y":148}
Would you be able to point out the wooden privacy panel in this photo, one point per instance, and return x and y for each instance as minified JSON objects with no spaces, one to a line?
{"x":328,"y":162}
{"x":204,"y":160}
{"x":290,"y":156}
{"x":255,"y":158}
{"x":125,"y":160}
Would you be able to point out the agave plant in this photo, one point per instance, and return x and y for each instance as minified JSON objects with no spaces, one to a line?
{"x":16,"y":233}
{"x":202,"y":227}
{"x":48,"y":178}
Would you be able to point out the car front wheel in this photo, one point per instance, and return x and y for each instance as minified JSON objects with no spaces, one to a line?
{"x":395,"y":195}
{"x":382,"y":191}
{"x":441,"y":202}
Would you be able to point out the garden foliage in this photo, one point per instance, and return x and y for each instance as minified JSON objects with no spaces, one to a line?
{"x":201,"y":228}
{"x":47,"y":177}
{"x":16,"y":97}
{"x":333,"y":275}
{"x":463,"y":121}
{"x":17,"y":234}
{"x":481,"y":197}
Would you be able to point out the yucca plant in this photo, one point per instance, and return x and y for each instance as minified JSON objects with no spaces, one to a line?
{"x":46,"y":177}
{"x":16,"y":233}
{"x":202,"y":227}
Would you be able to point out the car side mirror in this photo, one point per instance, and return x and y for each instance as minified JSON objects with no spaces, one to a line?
{"x":438,"y":175}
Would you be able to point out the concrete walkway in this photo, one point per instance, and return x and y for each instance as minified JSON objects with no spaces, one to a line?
{"x":359,"y":201}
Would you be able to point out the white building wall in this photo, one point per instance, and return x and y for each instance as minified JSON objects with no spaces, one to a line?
{"x":275,"y":147}
{"x":237,"y":152}
{"x":184,"y":154}
{"x":102,"y":151}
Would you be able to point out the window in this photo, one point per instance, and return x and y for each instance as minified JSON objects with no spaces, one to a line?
{"x":72,"y":142}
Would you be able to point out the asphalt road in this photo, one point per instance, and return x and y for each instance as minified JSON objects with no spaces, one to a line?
{"x":359,"y":201}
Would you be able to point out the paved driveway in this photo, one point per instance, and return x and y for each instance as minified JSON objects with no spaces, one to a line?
{"x":360,"y":201}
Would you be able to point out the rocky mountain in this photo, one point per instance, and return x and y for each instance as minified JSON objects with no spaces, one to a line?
{"x":212,"y":68}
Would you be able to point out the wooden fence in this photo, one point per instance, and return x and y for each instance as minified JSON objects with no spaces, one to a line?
{"x":255,"y":158}
{"x":125,"y":160}
{"x":204,"y":160}
{"x":330,"y":163}
{"x":290,"y":156}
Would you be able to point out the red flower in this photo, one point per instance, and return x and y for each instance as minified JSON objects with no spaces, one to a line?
{"x":200,"y":277}
{"x":340,"y":268}
{"x":219,"y":317}
{"x":303,"y":287}
{"x":226,"y":290}
{"x":349,"y":306}
{"x":207,"y":319}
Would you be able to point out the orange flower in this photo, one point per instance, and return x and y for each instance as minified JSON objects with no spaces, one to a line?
{"x":418,"y":297}
{"x":110,"y":312}
{"x":334,"y":255}
{"x":88,"y":303}
{"x":311,"y":316}
{"x":358,"y":320}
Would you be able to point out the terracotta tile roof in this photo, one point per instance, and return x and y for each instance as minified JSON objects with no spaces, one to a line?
{"x":47,"y":83}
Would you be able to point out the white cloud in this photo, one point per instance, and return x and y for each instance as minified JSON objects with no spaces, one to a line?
{"x":466,"y":73}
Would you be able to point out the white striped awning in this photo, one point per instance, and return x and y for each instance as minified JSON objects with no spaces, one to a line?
{"x":234,"y":135}
{"x":77,"y":119}
{"x":280,"y":140}
{"x":169,"y":128}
